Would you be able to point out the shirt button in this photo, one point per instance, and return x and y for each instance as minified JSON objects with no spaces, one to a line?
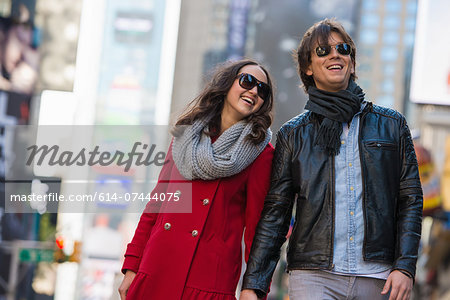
{"x":342,"y":142}
{"x":350,"y":164}
{"x":167,"y":226}
{"x":352,"y":188}
{"x":352,"y":213}
{"x":194,"y":233}
{"x":205,"y":201}
{"x":351,"y":238}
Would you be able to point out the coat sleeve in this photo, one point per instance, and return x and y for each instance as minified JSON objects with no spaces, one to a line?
{"x":274,"y":223}
{"x":148,"y":218}
{"x":257,"y":188}
{"x":409,"y":207}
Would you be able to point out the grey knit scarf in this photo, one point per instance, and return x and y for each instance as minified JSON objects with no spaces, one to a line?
{"x":196,"y":157}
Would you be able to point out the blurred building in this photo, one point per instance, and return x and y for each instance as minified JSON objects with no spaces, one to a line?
{"x":430,"y":90}
{"x":278,"y":28}
{"x":198,"y":32}
{"x":59,"y":22}
{"x":383,"y":31}
{"x":210,"y":32}
{"x":141,"y":62}
{"x":430,"y":86}
{"x":385,"y":42}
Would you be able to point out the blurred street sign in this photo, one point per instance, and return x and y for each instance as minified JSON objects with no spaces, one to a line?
{"x":24,"y":251}
{"x":36,"y":255}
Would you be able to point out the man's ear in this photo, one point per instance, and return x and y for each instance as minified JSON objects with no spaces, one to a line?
{"x":309,"y":71}
{"x":353,"y":68}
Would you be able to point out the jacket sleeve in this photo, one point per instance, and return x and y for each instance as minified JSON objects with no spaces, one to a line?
{"x":257,"y":188}
{"x":148,"y":218}
{"x":274,"y":223}
{"x":409,"y":207}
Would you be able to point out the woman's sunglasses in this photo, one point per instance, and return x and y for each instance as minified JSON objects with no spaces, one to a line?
{"x":248,"y":81}
{"x":343,"y":49}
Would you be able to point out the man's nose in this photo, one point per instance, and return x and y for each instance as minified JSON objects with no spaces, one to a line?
{"x":334,"y":52}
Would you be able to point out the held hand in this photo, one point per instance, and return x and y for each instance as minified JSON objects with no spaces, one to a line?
{"x":248,"y":295}
{"x":125,"y":285}
{"x":400,"y":286}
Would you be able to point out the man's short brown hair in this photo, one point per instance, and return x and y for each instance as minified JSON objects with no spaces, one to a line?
{"x":319,"y":33}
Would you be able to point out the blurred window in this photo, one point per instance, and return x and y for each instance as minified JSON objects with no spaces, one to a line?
{"x":370,"y":20}
{"x":369,"y":37}
{"x":393,"y":6}
{"x":410,"y":24}
{"x":388,"y":86}
{"x":385,"y":100}
{"x":391,"y":22}
{"x":408,"y":39}
{"x":370,"y":4}
{"x":389,"y":70}
{"x":366,"y":51}
{"x":411,"y":7}
{"x":389,"y":53}
{"x":390,"y":37}
{"x":364,"y":67}
{"x":364,"y":83}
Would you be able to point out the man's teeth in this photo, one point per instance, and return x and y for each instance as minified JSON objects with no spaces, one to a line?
{"x":335,"y":67}
{"x":248,"y":100}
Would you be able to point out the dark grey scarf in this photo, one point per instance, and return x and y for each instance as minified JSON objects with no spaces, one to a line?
{"x":335,"y":108}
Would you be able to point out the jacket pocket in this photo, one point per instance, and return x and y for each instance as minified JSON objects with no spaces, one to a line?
{"x":382,"y":145}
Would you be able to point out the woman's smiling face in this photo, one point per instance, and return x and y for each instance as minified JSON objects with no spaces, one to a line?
{"x":241,"y":103}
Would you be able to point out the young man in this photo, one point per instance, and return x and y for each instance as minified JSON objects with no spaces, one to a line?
{"x":350,"y":169}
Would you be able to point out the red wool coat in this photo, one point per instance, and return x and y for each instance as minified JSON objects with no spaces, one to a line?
{"x":198,"y":255}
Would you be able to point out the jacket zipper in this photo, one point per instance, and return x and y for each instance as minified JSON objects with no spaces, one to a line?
{"x":333,"y":206}
{"x":363,"y":181}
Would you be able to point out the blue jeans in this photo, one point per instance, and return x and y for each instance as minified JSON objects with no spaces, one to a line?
{"x":321,"y":285}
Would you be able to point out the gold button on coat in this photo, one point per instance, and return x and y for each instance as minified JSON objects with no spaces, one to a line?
{"x":194,"y":233}
{"x":205,"y":201}
{"x":167,"y":226}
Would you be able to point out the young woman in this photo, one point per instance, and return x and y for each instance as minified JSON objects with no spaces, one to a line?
{"x":220,"y":161}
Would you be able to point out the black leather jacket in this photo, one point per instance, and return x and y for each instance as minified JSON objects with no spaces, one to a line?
{"x":392,"y":198}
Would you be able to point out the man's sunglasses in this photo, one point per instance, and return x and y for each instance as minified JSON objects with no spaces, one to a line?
{"x":248,"y":81}
{"x":343,"y":49}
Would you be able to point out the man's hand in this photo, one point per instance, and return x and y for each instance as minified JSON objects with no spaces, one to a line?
{"x":248,"y":295}
{"x":400,"y":286}
{"x":125,"y":285}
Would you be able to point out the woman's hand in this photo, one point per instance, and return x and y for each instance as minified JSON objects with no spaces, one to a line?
{"x":125,"y":285}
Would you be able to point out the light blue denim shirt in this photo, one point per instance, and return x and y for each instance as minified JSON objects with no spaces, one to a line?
{"x":349,"y":220}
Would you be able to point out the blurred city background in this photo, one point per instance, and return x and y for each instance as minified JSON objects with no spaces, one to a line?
{"x":139,"y":62}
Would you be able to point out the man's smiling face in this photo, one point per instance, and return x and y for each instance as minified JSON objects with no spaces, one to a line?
{"x":331,"y":72}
